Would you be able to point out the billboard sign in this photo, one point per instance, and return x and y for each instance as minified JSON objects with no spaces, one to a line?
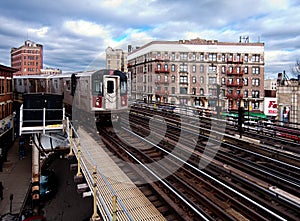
{"x":270,"y":106}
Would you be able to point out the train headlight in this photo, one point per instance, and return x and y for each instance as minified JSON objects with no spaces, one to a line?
{"x":97,"y":102}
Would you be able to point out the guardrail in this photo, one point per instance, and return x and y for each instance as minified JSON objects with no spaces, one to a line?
{"x":41,"y":120}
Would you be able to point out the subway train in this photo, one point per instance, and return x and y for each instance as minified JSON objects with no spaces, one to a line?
{"x":102,"y":93}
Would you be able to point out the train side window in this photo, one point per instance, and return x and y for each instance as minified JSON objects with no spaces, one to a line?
{"x":97,"y":87}
{"x":123,"y":87}
{"x":110,"y":87}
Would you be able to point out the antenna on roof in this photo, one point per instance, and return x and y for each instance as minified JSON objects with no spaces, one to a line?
{"x":244,"y":39}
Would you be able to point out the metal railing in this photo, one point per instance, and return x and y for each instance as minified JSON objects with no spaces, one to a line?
{"x":37,"y":120}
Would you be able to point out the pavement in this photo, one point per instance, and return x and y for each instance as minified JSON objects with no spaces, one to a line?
{"x":16,"y":179}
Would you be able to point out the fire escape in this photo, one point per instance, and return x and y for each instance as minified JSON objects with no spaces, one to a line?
{"x":161,"y":81}
{"x":234,"y":82}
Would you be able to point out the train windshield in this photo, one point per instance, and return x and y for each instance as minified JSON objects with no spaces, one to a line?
{"x":110,"y":87}
{"x":97,"y":87}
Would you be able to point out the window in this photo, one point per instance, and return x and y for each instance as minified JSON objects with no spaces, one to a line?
{"x":212,"y":80}
{"x":158,"y":54}
{"x":194,"y":79}
{"x":230,"y":57}
{"x":223,"y":69}
{"x":183,"y":56}
{"x":183,"y":101}
{"x":86,"y":87}
{"x":212,"y":69}
{"x":123,"y":87}
{"x":173,"y":67}
{"x":212,"y":57}
{"x":255,"y":94}
{"x":255,"y":81}
{"x":173,"y":78}
{"x":1,"y":86}
{"x":97,"y":87}
{"x":158,"y":67}
{"x":255,"y":58}
{"x":201,"y":91}
{"x":166,"y":67}
{"x":55,"y":84}
{"x":194,"y":91}
{"x":201,"y":68}
{"x":194,"y":56}
{"x":194,"y":68}
{"x":166,"y":78}
{"x":223,"y":81}
{"x":246,"y":58}
{"x":183,"y":90}
{"x":166,"y":54}
{"x":255,"y":70}
{"x":246,"y":81}
{"x":173,"y":90}
{"x":201,"y":57}
{"x":212,"y":91}
{"x":183,"y":79}
{"x":255,"y":105}
{"x":246,"y":70}
{"x":1,"y":111}
{"x":223,"y":58}
{"x":173,"y":56}
{"x":68,"y":85}
{"x":201,"y":80}
{"x":238,"y":57}
{"x":183,"y":67}
{"x":8,"y":85}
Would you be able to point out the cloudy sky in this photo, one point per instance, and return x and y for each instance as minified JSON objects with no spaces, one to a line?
{"x":76,"y":33}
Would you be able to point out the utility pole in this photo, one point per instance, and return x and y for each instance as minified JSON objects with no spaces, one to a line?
{"x":241,"y":120}
{"x":218,"y":101}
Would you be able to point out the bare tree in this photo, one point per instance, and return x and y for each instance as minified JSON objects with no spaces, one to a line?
{"x":296,"y":69}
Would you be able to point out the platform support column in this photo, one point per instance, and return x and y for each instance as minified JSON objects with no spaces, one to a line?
{"x":95,"y":214}
{"x":70,"y":134}
{"x":114,"y":211}
{"x":79,"y":162}
{"x":35,"y":177}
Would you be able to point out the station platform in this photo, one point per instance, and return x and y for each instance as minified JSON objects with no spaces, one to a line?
{"x":132,"y":204}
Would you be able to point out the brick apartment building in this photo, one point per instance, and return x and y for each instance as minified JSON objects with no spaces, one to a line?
{"x":193,"y":72}
{"x":6,"y":110}
{"x":28,"y":58}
